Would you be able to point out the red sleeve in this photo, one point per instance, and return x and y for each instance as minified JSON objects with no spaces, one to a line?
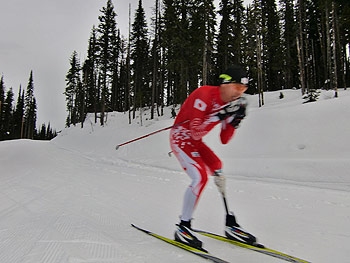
{"x":227,"y":132}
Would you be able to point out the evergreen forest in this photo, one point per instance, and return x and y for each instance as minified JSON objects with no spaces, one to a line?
{"x":19,"y":121}
{"x":284,"y":44}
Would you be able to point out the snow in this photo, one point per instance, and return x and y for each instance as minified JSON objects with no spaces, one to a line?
{"x":73,"y":199}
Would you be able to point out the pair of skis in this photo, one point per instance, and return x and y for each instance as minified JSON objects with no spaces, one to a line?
{"x":205,"y":254}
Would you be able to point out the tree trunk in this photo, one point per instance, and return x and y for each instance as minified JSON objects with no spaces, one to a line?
{"x":300,"y":47}
{"x":155,"y":59}
{"x":329,"y":52}
{"x":301,"y":66}
{"x":259,"y":65}
{"x":128,"y":67}
{"x":335,"y":46}
{"x":205,"y":63}
{"x":102,"y":115}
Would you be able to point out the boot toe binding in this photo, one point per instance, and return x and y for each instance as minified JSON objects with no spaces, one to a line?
{"x":185,"y":236}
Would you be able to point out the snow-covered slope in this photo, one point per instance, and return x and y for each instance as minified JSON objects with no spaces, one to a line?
{"x":72,"y":199}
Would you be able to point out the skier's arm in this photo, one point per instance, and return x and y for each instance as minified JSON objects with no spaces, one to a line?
{"x":227,"y":132}
{"x":231,"y":117}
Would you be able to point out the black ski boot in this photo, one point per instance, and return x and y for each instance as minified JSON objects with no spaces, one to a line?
{"x":185,"y":235}
{"x":235,"y":232}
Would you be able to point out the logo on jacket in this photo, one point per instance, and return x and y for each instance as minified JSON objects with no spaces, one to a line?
{"x":200,"y":105}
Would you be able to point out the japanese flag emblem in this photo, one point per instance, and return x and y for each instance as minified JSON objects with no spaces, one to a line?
{"x":200,"y":105}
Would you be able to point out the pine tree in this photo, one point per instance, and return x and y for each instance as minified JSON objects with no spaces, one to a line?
{"x":73,"y":80}
{"x":176,"y":50}
{"x":2,"y":101}
{"x":117,"y":91}
{"x":33,"y":118}
{"x":45,"y":132}
{"x":225,"y":36}
{"x":311,"y":96}
{"x":249,"y":49}
{"x":80,"y":108}
{"x":155,"y":61}
{"x":107,"y":42}
{"x":202,"y":31}
{"x":49,"y":133}
{"x":30,"y":109}
{"x":254,"y":52}
{"x":140,"y":59}
{"x":313,"y":61}
{"x":7,"y":116}
{"x":128,"y":67}
{"x":272,"y":45}
{"x":290,"y":60}
{"x":90,"y":73}
{"x":230,"y":38}
{"x":344,"y":34}
{"x":18,"y":115}
{"x":123,"y":80}
{"x":238,"y":12}
{"x":42,"y":132}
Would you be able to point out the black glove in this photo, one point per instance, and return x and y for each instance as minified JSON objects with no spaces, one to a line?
{"x":228,"y":111}
{"x":233,"y":109}
{"x":239,"y":116}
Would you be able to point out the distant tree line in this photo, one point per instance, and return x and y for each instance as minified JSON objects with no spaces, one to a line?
{"x":287,"y":44}
{"x":19,"y":121}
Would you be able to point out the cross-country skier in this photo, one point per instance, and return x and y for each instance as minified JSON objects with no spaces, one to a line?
{"x":206,"y":107}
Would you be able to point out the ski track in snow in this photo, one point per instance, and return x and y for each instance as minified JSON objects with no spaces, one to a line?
{"x":62,"y":201}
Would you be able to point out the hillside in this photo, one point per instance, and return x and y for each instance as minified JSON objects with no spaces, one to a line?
{"x":72,"y":199}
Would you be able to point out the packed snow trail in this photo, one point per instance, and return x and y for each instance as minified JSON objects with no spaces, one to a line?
{"x":68,"y":208}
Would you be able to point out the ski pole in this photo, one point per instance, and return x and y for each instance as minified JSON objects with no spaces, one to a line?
{"x":225,"y":203}
{"x":144,"y":136}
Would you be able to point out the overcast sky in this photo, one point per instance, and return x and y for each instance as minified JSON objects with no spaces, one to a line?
{"x":41,"y":35}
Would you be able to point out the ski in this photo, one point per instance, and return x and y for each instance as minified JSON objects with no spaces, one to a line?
{"x":198,"y":252}
{"x":258,"y":248}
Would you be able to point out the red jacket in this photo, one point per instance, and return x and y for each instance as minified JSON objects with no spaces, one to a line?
{"x":200,"y":108}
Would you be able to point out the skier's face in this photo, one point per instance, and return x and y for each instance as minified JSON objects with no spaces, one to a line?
{"x":232,"y":91}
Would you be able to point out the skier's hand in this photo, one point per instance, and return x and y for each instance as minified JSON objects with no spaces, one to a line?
{"x":238,"y":117}
{"x":232,"y":109}
{"x":228,"y":111}
{"x":220,"y":181}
